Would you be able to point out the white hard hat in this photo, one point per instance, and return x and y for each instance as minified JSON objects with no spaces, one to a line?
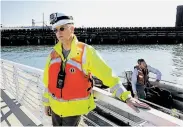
{"x":58,"y":19}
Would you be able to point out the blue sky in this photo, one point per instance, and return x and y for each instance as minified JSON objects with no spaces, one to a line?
{"x":93,"y":13}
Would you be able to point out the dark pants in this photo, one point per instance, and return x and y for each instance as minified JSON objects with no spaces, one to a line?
{"x":141,"y":91}
{"x":65,"y":121}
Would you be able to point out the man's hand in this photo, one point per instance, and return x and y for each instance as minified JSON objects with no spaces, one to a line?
{"x":47,"y":110}
{"x":134,"y":103}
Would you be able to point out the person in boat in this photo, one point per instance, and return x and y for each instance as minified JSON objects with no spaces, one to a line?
{"x":140,"y":78}
{"x":68,"y":76}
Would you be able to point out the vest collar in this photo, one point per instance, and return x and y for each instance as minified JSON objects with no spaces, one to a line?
{"x":73,"y":52}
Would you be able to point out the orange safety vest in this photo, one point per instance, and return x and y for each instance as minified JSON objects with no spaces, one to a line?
{"x":142,"y":77}
{"x":77,"y":84}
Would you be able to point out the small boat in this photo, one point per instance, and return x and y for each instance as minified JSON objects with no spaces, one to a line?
{"x":167,"y":97}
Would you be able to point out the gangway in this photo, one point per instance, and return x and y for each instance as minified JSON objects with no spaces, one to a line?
{"x":24,"y":84}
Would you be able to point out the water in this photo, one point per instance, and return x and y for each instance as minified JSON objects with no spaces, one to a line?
{"x":167,"y":58}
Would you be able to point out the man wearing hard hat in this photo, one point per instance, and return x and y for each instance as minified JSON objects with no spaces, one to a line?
{"x":68,"y":76}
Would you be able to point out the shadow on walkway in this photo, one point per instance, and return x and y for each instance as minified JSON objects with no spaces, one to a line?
{"x":15,"y":109}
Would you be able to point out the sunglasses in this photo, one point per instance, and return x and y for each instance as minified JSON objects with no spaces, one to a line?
{"x":56,"y":30}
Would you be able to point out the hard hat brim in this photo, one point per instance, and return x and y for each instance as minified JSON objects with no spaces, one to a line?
{"x":61,"y":22}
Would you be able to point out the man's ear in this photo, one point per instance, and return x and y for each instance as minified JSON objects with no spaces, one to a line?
{"x":72,"y":28}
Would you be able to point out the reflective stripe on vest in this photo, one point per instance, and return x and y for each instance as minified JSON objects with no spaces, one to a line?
{"x":45,"y":100}
{"x":57,"y":60}
{"x":62,"y":100}
{"x":74,"y":63}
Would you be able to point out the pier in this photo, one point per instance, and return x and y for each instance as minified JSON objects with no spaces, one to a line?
{"x":100,"y":35}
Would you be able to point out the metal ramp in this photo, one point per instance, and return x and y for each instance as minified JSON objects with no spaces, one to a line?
{"x":24,"y":83}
